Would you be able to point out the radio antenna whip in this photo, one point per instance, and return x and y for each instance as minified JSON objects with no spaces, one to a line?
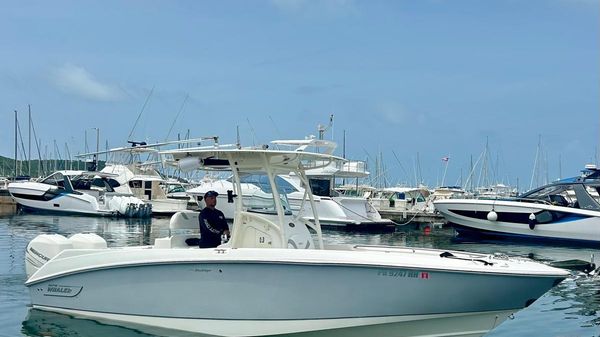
{"x":140,"y":114}
{"x":177,"y":116}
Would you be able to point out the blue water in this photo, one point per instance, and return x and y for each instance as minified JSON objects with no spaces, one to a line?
{"x":570,"y":309}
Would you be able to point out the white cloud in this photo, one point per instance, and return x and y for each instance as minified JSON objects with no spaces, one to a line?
{"x":395,"y":114}
{"x":318,"y":6}
{"x":582,"y":2}
{"x":76,"y":80}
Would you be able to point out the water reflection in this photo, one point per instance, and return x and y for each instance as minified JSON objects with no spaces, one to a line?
{"x":42,"y":324}
{"x":116,"y":231}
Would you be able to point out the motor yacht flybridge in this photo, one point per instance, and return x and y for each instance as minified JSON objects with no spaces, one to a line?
{"x":567,"y":210}
{"x":335,"y":209}
{"x":276,"y":275}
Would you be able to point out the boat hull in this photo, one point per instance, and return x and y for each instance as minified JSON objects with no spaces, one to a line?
{"x":37,"y":197}
{"x":168,"y":206}
{"x":565,"y":223}
{"x":228,"y":297}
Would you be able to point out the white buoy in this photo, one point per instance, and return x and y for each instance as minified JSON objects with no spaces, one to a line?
{"x":532,"y":221}
{"x":492,"y":216}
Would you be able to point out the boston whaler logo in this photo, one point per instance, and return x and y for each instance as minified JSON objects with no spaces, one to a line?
{"x":62,"y":290}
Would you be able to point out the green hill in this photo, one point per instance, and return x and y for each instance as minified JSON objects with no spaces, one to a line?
{"x":40,"y":168}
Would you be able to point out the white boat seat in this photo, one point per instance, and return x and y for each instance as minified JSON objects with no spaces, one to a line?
{"x":184,"y":229}
{"x":178,"y":241}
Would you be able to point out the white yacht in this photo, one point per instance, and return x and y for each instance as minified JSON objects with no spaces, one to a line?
{"x":4,"y":183}
{"x":135,"y":171}
{"x":566,"y":210}
{"x":275,"y":275}
{"x":449,"y":192}
{"x":341,"y":210}
{"x":145,"y":182}
{"x":176,"y":189}
{"x":400,"y":198}
{"x":78,"y":192}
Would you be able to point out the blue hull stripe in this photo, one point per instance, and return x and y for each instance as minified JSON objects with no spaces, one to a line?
{"x":472,"y":232}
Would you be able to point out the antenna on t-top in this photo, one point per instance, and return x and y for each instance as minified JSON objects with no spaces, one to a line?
{"x":322,"y":128}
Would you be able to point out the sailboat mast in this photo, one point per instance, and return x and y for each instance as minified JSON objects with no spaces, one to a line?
{"x":16,"y":121}
{"x":447,"y":159}
{"x":29,"y":155}
{"x":559,"y":167}
{"x":535,"y":163}
{"x":97,"y":156}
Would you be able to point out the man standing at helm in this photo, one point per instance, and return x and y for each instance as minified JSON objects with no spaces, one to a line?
{"x":212,"y":222}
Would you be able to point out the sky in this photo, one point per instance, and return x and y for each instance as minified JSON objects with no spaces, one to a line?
{"x":409,"y":82}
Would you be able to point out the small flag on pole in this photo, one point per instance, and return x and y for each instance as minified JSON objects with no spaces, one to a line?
{"x":445,"y":158}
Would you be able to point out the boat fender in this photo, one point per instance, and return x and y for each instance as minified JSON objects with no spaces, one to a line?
{"x":42,"y":249}
{"x":492,"y":216}
{"x":113,"y":204}
{"x":532,"y":221}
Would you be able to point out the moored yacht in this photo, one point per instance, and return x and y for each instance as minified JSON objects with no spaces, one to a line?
{"x":146,"y":183}
{"x":399,"y":198}
{"x":78,"y":192}
{"x":352,"y":211}
{"x":565,"y":210}
{"x":276,"y":276}
{"x":134,"y":168}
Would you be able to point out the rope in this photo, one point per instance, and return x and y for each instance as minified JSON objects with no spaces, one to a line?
{"x":359,"y":215}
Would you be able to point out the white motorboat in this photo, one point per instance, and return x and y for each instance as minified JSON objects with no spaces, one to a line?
{"x":335,"y":209}
{"x":566,"y":210}
{"x":449,"y":192}
{"x":145,"y":182}
{"x":276,"y":276}
{"x":136,"y":172}
{"x":175,"y":189}
{"x":399,"y":198}
{"x":4,"y":183}
{"x":78,"y":192}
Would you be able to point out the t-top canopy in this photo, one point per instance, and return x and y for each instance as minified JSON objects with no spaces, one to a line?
{"x":248,"y":160}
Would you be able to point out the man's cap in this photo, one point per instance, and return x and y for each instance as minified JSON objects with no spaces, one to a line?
{"x":211,"y":194}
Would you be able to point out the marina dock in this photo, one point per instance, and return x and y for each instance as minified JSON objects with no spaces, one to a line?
{"x":403,"y":217}
{"x":7,"y":204}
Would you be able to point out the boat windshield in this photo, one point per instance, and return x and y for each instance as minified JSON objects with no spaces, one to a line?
{"x":320,"y":187}
{"x":56,"y":179}
{"x":258,"y":194}
{"x":86,"y":182}
{"x":561,"y":195}
{"x":175,"y":188}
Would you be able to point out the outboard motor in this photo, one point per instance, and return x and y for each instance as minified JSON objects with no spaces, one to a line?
{"x":46,"y":246}
{"x":42,"y":249}
{"x":147,"y":210}
{"x":87,"y":241}
{"x":130,"y":206}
